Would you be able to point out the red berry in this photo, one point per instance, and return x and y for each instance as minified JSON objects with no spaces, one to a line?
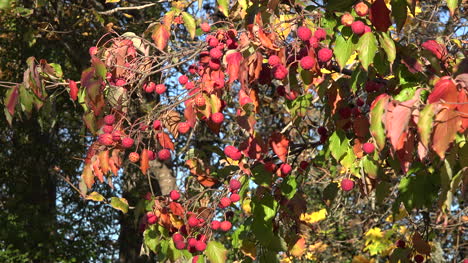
{"x":232,"y":152}
{"x":320,"y":34}
{"x":107,"y":128}
{"x":193,"y":69}
{"x":419,"y":258}
{"x":205,"y":27}
{"x":127,"y":142}
{"x":120,"y":82}
{"x":325,"y":54}
{"x":347,"y":19}
{"x":307,"y":62}
{"x":303,"y":165}
{"x":151,"y":218}
{"x":273,"y":60}
{"x":164,"y":154}
{"x":117,"y":135}
{"x":361,"y":9}
{"x":358,"y":27}
{"x":193,"y":221}
{"x":73,"y":89}
{"x":215,"y":224}
{"x":215,"y":53}
{"x":195,"y":259}
{"x":177,"y":237}
{"x":368,"y":147}
{"x":200,"y":246}
{"x":280,"y":72}
{"x":160,"y":89}
{"x":304,"y":33}
{"x":192,"y":242}
{"x":367,"y":29}
{"x":217,"y":117}
{"x":106,"y":139}
{"x":180,"y":245}
{"x":400,"y":243}
{"x":149,"y":87}
{"x":151,"y":155}
{"x":234,"y":198}
{"x":285,"y":169}
{"x":213,"y":42}
{"x":314,"y":42}
{"x":134,"y":157}
{"x":93,"y":51}
{"x":214,"y":64}
{"x":200,"y":100}
{"x":183,"y":127}
{"x":157,"y":124}
{"x":347,"y":184}
{"x":189,"y":85}
{"x":234,"y":184}
{"x":175,"y":195}
{"x":225,"y":226}
{"x":225,"y":202}
{"x":183,"y":80}
{"x":109,"y":119}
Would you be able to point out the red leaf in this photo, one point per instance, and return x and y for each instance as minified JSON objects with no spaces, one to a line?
{"x":165,"y":140}
{"x":463,"y":108}
{"x":144,"y":161}
{"x":233,"y":63}
{"x":11,"y":100}
{"x":160,"y":36}
{"x":189,"y":113}
{"x":405,"y":152}
{"x":445,"y":90}
{"x":253,"y":147}
{"x":447,"y":123}
{"x":97,"y":170}
{"x":73,"y":89}
{"x":439,"y":50}
{"x":279,"y":143}
{"x":380,"y":15}
{"x":265,"y":40}
{"x":176,"y":209}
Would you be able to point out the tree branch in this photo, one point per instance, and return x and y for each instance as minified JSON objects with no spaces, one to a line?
{"x":110,"y":12}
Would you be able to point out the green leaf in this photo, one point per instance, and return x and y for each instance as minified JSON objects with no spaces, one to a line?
{"x":58,"y":70}
{"x":151,"y":238}
{"x":358,"y":78}
{"x":100,"y":67}
{"x":399,"y":12}
{"x":348,"y":159}
{"x":216,"y":252}
{"x":119,"y":204}
{"x":452,"y":6}
{"x":367,"y":49}
{"x":426,"y":119}
{"x":388,"y":45}
{"x":370,"y":167}
{"x":289,"y":187}
{"x":381,"y":191}
{"x":262,"y":176}
{"x":5,"y":4}
{"x":376,"y":124}
{"x":418,"y":191}
{"x":223,"y":6}
{"x":339,"y":5}
{"x":299,"y":105}
{"x":338,"y":144}
{"x":24,"y":12}
{"x":330,"y":192}
{"x":95,"y":196}
{"x":189,"y":23}
{"x":90,"y":121}
{"x":26,"y":99}
{"x":343,"y":50}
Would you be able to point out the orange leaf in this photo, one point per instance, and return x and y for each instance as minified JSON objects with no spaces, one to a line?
{"x":176,"y":209}
{"x":165,"y":140}
{"x":447,"y":122}
{"x":144,"y":161}
{"x":206,"y":181}
{"x":104,"y":161}
{"x":299,"y":248}
{"x":88,"y":176}
{"x":113,"y":167}
{"x":171,"y":121}
{"x":279,"y":143}
{"x":97,"y":171}
{"x":266,"y":42}
{"x":445,"y":90}
{"x":233,"y":64}
{"x":160,"y":36}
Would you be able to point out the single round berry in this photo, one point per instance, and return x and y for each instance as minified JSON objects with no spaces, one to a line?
{"x":120,"y":82}
{"x":367,"y":29}
{"x":109,"y":119}
{"x":325,"y":54}
{"x":205,"y":27}
{"x":183,"y":127}
{"x":234,"y":198}
{"x":107,"y":128}
{"x":368,"y":147}
{"x":177,"y":237}
{"x":200,"y":246}
{"x":160,"y":89}
{"x":358,"y":27}
{"x":304,"y":33}
{"x":149,"y":87}
{"x":192,"y":242}
{"x":400,"y":243}
{"x":200,"y":100}
{"x":234,"y":184}
{"x":314,"y":42}
{"x":213,"y":42}
{"x":151,"y":218}
{"x":164,"y":155}
{"x":93,"y":51}
{"x":224,"y":202}
{"x":347,"y":19}
{"x":183,"y":80}
{"x":285,"y":169}
{"x":127,"y":142}
{"x":307,"y":62}
{"x":273,"y":60}
{"x":157,"y":124}
{"x":215,"y":224}
{"x":134,"y":157}
{"x":361,"y":9}
{"x":225,"y":226}
{"x":280,"y":72}
{"x":216,"y":53}
{"x":347,"y":184}
{"x":217,"y":117}
{"x":193,"y":221}
{"x":320,"y":34}
{"x":214,"y":64}
{"x":232,"y":152}
{"x":151,"y":155}
{"x":418,"y":258}
{"x":180,"y":245}
{"x":175,"y":195}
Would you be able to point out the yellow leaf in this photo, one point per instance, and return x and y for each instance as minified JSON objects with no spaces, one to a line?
{"x":318,"y":247}
{"x":374,"y":233}
{"x":127,"y":15}
{"x":299,"y":248}
{"x":283,"y":28}
{"x":362,"y":259}
{"x":352,"y":58}
{"x":95,"y":196}
{"x":112,"y":1}
{"x":314,"y":217}
{"x":176,"y":222}
{"x":246,"y":206}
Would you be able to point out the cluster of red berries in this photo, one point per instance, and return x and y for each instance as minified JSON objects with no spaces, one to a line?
{"x":357,"y":26}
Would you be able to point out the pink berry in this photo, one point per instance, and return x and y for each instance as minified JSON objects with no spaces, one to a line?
{"x":109,"y":119}
{"x":325,"y":54}
{"x":234,"y":198}
{"x":285,"y":169}
{"x":177,"y":237}
{"x":234,"y":184}
{"x":157,"y":124}
{"x":106,"y":139}
{"x":273,"y":60}
{"x":225,"y":226}
{"x":280,"y":72}
{"x":224,"y":202}
{"x":183,"y":127}
{"x":314,"y":42}
{"x":164,"y":154}
{"x":217,"y":117}
{"x":347,"y":185}
{"x":151,"y":155}
{"x":180,"y":245}
{"x":215,"y":53}
{"x":205,"y":27}
{"x":193,"y":221}
{"x":160,"y":89}
{"x":183,"y":79}
{"x":175,"y":195}
{"x":192,"y":242}
{"x":127,"y":142}
{"x":368,"y":147}
{"x":107,"y":128}
{"x":358,"y":27}
{"x":307,"y":62}
{"x":93,"y":51}
{"x":361,"y":9}
{"x":245,"y":100}
{"x":151,"y":218}
{"x":320,"y":34}
{"x":304,"y":33}
{"x":200,"y":246}
{"x":149,"y":87}
{"x":215,"y":224}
